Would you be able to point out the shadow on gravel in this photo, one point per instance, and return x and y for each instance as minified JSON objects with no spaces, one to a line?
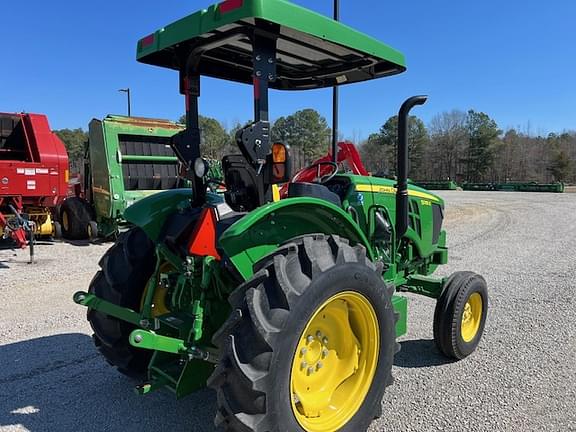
{"x":83,"y":243}
{"x":60,"y":383}
{"x":419,"y":353}
{"x":7,"y":244}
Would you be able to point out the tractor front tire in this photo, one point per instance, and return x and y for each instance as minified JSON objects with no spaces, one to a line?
{"x":75,"y":216}
{"x":126,"y":269}
{"x":310,"y":343}
{"x":460,"y":314}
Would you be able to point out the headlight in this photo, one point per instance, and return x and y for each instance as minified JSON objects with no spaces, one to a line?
{"x":200,"y":167}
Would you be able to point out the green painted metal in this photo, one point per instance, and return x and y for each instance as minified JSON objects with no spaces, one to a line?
{"x":400,"y":305}
{"x":424,"y":285}
{"x":260,"y":232}
{"x":141,"y":158}
{"x":108,"y":194}
{"x":530,"y":187}
{"x":302,"y":25}
{"x":93,"y":302}
{"x":147,"y":339}
{"x":375,"y":192}
{"x":557,"y":187}
{"x":151,"y":212}
{"x":438,"y":185}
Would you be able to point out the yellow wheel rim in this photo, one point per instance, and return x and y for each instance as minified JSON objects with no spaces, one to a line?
{"x":159,"y":306}
{"x":65,"y":220}
{"x":335,"y":362}
{"x":471,"y":317}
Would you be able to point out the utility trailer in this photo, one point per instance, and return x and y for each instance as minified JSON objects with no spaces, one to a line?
{"x":33,"y":177}
{"x":126,"y":159}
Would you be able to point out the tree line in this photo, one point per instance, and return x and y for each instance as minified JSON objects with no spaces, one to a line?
{"x":470,"y":147}
{"x":456,"y":145}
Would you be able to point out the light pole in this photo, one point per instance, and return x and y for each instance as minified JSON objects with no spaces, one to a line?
{"x":127,"y":91}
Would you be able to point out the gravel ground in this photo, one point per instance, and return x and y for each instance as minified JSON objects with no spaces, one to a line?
{"x":522,"y":378}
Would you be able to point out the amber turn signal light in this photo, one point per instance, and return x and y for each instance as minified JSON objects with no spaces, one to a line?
{"x":278,"y":153}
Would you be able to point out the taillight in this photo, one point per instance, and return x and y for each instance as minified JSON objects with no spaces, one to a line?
{"x":147,"y":41}
{"x":230,"y":5}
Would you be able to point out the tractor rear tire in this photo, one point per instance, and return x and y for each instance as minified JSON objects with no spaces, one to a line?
{"x":75,"y":215}
{"x":261,"y":346}
{"x":126,"y":269}
{"x":460,"y":314}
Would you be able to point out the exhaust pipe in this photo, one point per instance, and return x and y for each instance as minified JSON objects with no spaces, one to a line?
{"x":402,"y":169}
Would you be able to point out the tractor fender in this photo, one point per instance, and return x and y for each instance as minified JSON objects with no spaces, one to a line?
{"x":261,"y":231}
{"x":150,"y":213}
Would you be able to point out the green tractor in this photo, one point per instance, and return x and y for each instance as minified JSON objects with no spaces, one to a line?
{"x":287,"y":308}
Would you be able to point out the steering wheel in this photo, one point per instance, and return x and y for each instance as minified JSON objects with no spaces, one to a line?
{"x":326,"y":177}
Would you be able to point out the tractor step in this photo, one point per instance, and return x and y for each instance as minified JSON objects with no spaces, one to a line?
{"x":400,"y":305}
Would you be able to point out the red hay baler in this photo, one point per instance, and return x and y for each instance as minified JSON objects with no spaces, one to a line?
{"x":33,"y":177}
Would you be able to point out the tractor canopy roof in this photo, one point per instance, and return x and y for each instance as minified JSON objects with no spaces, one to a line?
{"x":313,"y":51}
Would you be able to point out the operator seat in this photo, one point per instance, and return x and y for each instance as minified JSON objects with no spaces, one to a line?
{"x":314,"y":190}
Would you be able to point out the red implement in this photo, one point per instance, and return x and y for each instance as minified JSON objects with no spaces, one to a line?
{"x":33,"y":174}
{"x":347,"y":153}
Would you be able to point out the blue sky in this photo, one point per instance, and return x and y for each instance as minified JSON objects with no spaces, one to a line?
{"x":514,"y":60}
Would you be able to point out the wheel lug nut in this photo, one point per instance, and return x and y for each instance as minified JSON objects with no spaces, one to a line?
{"x":310,"y":339}
{"x":319,"y":365}
{"x":325,"y":340}
{"x":303,"y":365}
{"x":324,"y":353}
{"x":319,"y":334}
{"x":303,"y":351}
{"x":310,"y":370}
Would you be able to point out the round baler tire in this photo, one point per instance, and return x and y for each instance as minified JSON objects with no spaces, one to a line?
{"x":57,"y":235}
{"x":259,"y":340}
{"x":92,"y":230}
{"x":448,"y":313}
{"x":76,"y":211}
{"x":126,"y":269}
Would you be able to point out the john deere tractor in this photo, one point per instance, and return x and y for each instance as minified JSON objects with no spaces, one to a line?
{"x":288,"y":308}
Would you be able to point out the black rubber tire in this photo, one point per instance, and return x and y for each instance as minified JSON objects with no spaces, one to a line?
{"x":448,"y":314}
{"x":79,"y":215}
{"x":270,"y":311}
{"x":126,"y":269}
{"x":57,"y":230}
{"x":92,"y":230}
